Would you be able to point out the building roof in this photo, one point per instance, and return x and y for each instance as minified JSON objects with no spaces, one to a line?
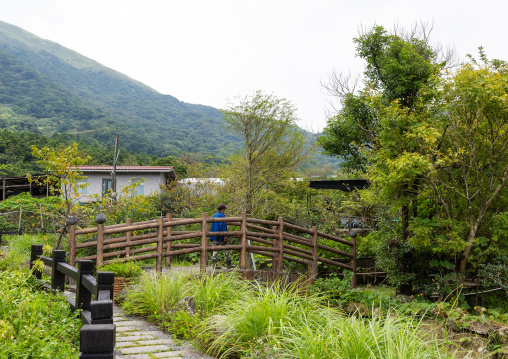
{"x":126,"y":168}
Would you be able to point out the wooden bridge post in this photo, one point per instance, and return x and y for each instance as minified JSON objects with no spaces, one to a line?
{"x":160,"y":241}
{"x":353,"y":235}
{"x":83,"y":295}
{"x":274,"y":257}
{"x":204,"y":243}
{"x":128,"y":235}
{"x":100,"y":219}
{"x":280,"y":259}
{"x":168,"y":239}
{"x":243,"y":242}
{"x":57,"y":278}
{"x":36,"y":251}
{"x":72,"y":244}
{"x":313,"y":268}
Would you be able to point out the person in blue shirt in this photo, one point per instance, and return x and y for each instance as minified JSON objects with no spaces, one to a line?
{"x":220,"y":240}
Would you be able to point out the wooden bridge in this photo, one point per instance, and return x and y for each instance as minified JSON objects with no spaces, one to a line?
{"x":161,"y":239}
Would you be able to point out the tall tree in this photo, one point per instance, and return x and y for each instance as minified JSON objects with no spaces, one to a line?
{"x":62,"y":177}
{"x":273,"y":145}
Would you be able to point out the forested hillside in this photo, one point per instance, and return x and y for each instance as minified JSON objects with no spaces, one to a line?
{"x":46,"y":88}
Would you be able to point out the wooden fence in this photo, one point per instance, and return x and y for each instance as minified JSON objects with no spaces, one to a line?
{"x":278,"y":240}
{"x":98,"y":334}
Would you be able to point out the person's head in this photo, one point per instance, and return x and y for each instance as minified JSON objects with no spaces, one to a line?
{"x":222,"y":207}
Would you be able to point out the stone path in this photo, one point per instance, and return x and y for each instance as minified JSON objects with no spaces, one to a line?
{"x":137,"y":339}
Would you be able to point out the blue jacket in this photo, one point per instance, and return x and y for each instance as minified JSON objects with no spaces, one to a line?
{"x":218,"y":227}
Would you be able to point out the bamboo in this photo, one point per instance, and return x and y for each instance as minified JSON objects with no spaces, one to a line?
{"x":204,"y":254}
{"x":128,"y":238}
{"x":336,"y":251}
{"x":243,"y":243}
{"x":168,"y":240}
{"x":160,"y":242}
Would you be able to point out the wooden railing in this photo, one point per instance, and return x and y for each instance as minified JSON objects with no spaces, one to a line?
{"x":98,"y":334}
{"x":278,"y":240}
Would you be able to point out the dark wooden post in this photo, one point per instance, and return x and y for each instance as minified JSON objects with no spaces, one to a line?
{"x":168,"y":239}
{"x":204,"y":243}
{"x":97,"y":341}
{"x":243,"y":242}
{"x":275,"y":256}
{"x":313,"y":268}
{"x":57,"y":278}
{"x":100,"y":219}
{"x":36,"y":251}
{"x":128,"y":238}
{"x":83,"y":295}
{"x":280,"y":260}
{"x":160,"y":240}
{"x":353,"y":235}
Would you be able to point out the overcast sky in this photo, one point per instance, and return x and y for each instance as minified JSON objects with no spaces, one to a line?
{"x":206,"y":51}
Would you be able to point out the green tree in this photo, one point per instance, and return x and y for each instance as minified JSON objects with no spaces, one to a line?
{"x":273,"y":146}
{"x":62,"y":177}
{"x":470,"y":168}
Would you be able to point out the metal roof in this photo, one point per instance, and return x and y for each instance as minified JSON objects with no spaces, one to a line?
{"x":126,"y":168}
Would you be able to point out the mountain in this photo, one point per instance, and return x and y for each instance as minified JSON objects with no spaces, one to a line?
{"x":47,"y":88}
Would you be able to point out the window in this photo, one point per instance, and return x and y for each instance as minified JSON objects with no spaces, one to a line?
{"x":106,"y":186}
{"x":83,"y":186}
{"x":139,"y":184}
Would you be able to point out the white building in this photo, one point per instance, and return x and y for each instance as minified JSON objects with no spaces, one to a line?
{"x":148,"y":179}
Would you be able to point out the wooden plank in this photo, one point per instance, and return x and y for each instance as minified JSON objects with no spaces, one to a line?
{"x":336,"y":239}
{"x":262,"y":221}
{"x":334,"y":263}
{"x":336,"y":251}
{"x":298,"y":228}
{"x":68,"y":270}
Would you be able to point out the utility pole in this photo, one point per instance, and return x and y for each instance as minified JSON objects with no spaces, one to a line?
{"x":113,"y":174}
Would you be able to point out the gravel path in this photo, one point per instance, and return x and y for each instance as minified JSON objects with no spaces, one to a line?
{"x":137,"y":339}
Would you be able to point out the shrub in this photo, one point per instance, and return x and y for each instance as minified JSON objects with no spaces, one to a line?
{"x":35,"y":324}
{"x":123,"y":269}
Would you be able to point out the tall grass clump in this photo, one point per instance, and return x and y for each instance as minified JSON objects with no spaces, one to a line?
{"x":154,"y":295}
{"x":18,"y":249}
{"x":253,"y":324}
{"x":211,"y":291}
{"x":33,"y":323}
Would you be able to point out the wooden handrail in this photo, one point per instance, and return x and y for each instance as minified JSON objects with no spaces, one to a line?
{"x":279,"y":240}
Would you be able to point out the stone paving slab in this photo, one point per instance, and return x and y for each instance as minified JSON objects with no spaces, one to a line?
{"x":138,"y":339}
